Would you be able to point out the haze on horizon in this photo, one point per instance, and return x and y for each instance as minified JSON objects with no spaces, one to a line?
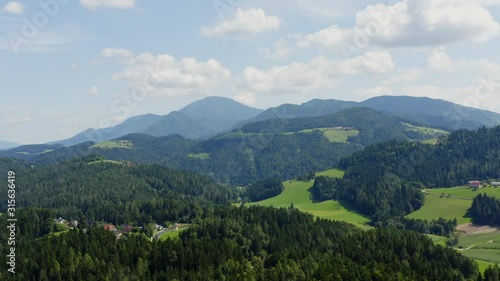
{"x":95,"y":63}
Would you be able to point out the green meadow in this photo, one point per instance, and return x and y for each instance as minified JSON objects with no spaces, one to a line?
{"x":296,"y":193}
{"x":113,"y":144}
{"x":450,"y":203}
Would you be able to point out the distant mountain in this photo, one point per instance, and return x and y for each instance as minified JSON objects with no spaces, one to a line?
{"x":7,"y":145}
{"x":434,"y":112}
{"x":30,"y":151}
{"x":284,"y":148}
{"x":422,"y":111}
{"x":132,"y":125}
{"x":198,"y":120}
{"x":316,"y":107}
{"x":202,"y":119}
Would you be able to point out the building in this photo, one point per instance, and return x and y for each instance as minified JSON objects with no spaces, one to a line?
{"x":495,"y":183}
{"x":475,"y":184}
{"x":109,"y":227}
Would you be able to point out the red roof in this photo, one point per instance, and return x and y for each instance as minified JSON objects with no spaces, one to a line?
{"x":109,"y":227}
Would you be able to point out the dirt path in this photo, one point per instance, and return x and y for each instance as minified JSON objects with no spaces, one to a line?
{"x":469,"y":228}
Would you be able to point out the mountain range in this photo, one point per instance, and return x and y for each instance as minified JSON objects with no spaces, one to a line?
{"x":213,"y":116}
{"x":7,"y":145}
{"x":199,"y":120}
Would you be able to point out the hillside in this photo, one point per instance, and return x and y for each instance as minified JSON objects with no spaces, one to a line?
{"x":28,"y":152}
{"x":7,"y":145}
{"x":385,"y":180}
{"x":434,"y":112}
{"x":112,"y":192}
{"x":198,"y":120}
{"x":416,"y":110}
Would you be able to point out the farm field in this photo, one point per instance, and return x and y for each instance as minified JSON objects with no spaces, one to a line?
{"x":296,"y":193}
{"x":334,"y":135}
{"x":448,"y":208}
{"x":454,"y":204}
{"x":113,"y":144}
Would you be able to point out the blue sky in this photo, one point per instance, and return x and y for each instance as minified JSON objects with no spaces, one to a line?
{"x":70,"y":65}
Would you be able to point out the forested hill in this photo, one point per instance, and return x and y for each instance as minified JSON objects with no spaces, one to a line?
{"x":372,"y":125}
{"x":229,"y":243}
{"x":113,"y":192}
{"x":384,"y":180}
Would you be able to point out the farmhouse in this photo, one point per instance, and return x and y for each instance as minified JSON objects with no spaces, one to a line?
{"x":475,"y":184}
{"x":495,"y":183}
{"x":109,"y":227}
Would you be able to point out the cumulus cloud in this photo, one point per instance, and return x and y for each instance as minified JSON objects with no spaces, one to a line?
{"x":93,"y":91}
{"x":441,"y":61}
{"x":163,"y":75}
{"x":116,"y":4}
{"x":319,"y":73}
{"x":244,"y":22}
{"x":14,"y":7}
{"x":19,"y":119}
{"x":408,"y":23}
{"x":116,"y":52}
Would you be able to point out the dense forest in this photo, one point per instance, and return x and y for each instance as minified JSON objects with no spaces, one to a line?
{"x":111,"y":192}
{"x":374,"y":127}
{"x":236,"y":161}
{"x":485,"y":210}
{"x":264,"y":189}
{"x":272,"y":148}
{"x":230,"y":243}
{"x":385,"y":180}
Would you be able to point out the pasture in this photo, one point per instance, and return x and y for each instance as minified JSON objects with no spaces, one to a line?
{"x":296,"y":193}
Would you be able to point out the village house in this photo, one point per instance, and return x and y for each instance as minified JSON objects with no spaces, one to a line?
{"x":109,"y":227}
{"x":495,"y":183}
{"x":475,"y":184}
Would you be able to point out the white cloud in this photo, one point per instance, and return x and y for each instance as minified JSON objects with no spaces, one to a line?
{"x":409,"y":23}
{"x":53,"y":39}
{"x":117,"y":4}
{"x":163,"y":75}
{"x":282,"y":49}
{"x":19,"y":119}
{"x":319,"y":73}
{"x":441,"y":61}
{"x":93,"y":91}
{"x":250,"y":21}
{"x":14,"y":7}
{"x":116,"y":52}
{"x":363,"y":94}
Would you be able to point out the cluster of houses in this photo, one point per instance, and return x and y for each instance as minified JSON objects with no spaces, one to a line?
{"x":123,"y":229}
{"x":478,"y":184}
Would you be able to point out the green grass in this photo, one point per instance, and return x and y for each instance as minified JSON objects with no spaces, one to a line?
{"x":114,"y":144}
{"x":296,"y":193}
{"x":199,"y":155}
{"x":333,"y":173}
{"x":333,"y":135}
{"x":106,"y":161}
{"x":483,"y":254}
{"x":480,"y":241}
{"x":439,"y":240}
{"x":172,"y":234}
{"x":448,"y":208}
{"x":483,"y":265}
{"x":425,"y":130}
{"x":467,"y":192}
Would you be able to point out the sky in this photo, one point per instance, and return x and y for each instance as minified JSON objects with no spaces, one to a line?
{"x":69,"y":65}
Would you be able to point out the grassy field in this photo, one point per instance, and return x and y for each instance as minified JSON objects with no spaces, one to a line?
{"x":199,"y":155}
{"x":425,"y":130}
{"x":483,"y":265}
{"x":106,"y":161}
{"x":448,"y":208}
{"x":334,"y":135}
{"x":296,"y":193}
{"x":114,"y":144}
{"x":454,"y":204}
